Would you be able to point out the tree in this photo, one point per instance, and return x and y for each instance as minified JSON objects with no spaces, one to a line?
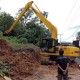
{"x":78,"y":35}
{"x":34,"y":33}
{"x":30,"y":17}
{"x":27,"y":17}
{"x":35,"y":29}
{"x":6,"y":21}
{"x":0,"y":9}
{"x":29,"y":28}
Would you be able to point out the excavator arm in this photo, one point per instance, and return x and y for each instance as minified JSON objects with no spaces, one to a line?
{"x":48,"y":24}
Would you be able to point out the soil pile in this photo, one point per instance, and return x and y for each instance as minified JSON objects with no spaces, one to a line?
{"x":21,"y":63}
{"x":5,"y":48}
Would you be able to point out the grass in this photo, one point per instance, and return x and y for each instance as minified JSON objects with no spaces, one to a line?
{"x":13,"y":42}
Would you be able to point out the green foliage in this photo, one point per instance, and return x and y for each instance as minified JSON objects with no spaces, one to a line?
{"x":5,"y":21}
{"x":1,"y":73}
{"x":3,"y":69}
{"x":78,"y":35}
{"x":18,"y":30}
{"x":22,"y":40}
{"x":11,"y":39}
{"x":1,"y":34}
{"x":27,"y":17}
{"x":33,"y":33}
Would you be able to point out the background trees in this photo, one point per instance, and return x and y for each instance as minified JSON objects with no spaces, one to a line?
{"x":29,"y":29}
{"x":35,"y":30}
{"x":78,"y":35}
{"x":5,"y":21}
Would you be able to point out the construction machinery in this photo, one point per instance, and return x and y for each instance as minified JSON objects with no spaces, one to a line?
{"x":49,"y":46}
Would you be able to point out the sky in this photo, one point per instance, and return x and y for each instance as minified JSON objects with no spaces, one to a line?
{"x":63,"y":14}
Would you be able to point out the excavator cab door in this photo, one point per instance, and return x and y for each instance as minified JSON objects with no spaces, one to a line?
{"x":49,"y":45}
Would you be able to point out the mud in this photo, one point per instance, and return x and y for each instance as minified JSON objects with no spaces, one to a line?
{"x":21,"y":63}
{"x":50,"y":73}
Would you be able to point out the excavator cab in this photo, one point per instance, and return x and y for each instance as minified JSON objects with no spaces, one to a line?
{"x":76,"y":43}
{"x":49,"y":45}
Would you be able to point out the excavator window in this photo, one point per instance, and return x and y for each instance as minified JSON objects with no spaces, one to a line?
{"x":76,"y":43}
{"x":49,"y":45}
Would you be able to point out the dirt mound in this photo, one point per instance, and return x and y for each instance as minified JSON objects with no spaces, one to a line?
{"x":5,"y":48}
{"x":21,"y":64}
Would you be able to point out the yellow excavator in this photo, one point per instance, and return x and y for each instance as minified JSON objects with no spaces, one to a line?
{"x":49,"y":46}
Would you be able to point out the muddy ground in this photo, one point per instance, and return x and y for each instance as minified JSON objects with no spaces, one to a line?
{"x":50,"y":73}
{"x":24,"y":64}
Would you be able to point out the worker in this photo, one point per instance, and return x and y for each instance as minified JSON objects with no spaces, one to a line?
{"x":63,"y":64}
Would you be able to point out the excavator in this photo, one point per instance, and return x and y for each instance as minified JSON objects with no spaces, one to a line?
{"x":49,"y":46}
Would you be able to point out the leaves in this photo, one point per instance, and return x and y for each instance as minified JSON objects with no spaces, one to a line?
{"x":78,"y":35}
{"x":28,"y":29}
{"x":5,"y":21}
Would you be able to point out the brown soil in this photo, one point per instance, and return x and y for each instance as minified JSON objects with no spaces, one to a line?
{"x":24,"y":64}
{"x":50,"y":73}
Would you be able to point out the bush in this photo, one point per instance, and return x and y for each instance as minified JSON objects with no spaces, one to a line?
{"x":1,"y":34}
{"x":22,"y":40}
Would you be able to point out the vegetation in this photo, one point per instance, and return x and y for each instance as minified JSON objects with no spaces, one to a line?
{"x":78,"y":35}
{"x":28,"y":30}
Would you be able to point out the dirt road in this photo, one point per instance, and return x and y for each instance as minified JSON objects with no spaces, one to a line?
{"x":50,"y":73}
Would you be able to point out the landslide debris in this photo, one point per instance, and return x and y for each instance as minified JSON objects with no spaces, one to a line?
{"x":21,"y":63}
